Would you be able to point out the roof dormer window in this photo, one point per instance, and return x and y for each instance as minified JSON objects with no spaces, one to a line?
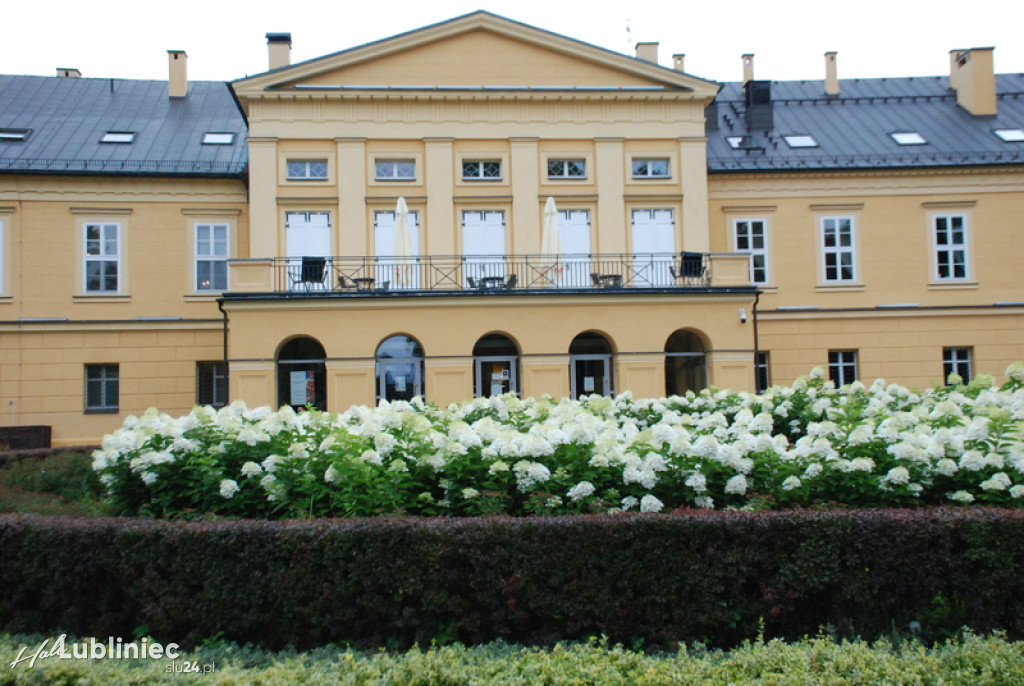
{"x":215,"y":138}
{"x":908,"y":138}
{"x":802,"y":140}
{"x":1010,"y":135}
{"x":11,"y":135}
{"x":118,"y":137}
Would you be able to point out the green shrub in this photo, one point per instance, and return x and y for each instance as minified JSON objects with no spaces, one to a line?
{"x":642,"y":580}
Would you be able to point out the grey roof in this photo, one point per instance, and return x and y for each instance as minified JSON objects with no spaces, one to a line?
{"x":852,"y":129}
{"x":66,"y":117}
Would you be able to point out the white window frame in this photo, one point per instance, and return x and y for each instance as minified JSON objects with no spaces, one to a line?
{"x":564,"y":163}
{"x":218,"y":250}
{"x":481,"y":168}
{"x":212,"y":375}
{"x":391,"y":166}
{"x":307,"y":168}
{"x":649,"y":162}
{"x":102,"y":256}
{"x":945,"y":254}
{"x":833,"y":224}
{"x":957,"y":360}
{"x":743,"y":231}
{"x":842,"y":367}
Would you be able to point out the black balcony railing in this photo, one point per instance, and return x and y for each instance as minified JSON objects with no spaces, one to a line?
{"x":491,"y":273}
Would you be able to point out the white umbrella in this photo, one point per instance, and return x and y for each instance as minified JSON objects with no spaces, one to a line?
{"x":403,"y":243}
{"x":550,"y":248}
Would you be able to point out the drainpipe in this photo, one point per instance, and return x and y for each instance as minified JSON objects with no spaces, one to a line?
{"x":757,"y":298}
{"x":227,"y":368}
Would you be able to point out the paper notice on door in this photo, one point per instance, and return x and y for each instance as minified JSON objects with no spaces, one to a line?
{"x":400,"y":384}
{"x":588,"y":384}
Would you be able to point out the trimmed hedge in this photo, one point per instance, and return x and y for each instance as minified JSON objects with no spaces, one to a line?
{"x":650,"y":580}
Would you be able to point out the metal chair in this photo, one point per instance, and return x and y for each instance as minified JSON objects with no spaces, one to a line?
{"x":691,"y":268}
{"x":309,"y":274}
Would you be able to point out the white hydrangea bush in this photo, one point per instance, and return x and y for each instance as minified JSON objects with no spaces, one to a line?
{"x":805,"y":445}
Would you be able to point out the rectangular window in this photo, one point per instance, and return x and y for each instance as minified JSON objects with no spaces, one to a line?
{"x":951,"y":247}
{"x":395,"y":170}
{"x":306,"y":170}
{"x":211,"y":257}
{"x":762,"y":377}
{"x":956,"y":361}
{"x":837,"y":242}
{"x":101,"y":388}
{"x":102,"y":258}
{"x":750,"y":238}
{"x":118,"y":137}
{"x":842,"y":367}
{"x":481,"y":170}
{"x":215,"y":138}
{"x":567,"y":169}
{"x":650,"y":169}
{"x":8,"y":135}
{"x":212,"y":384}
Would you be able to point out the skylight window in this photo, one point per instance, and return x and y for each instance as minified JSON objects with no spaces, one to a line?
{"x":118,"y":137}
{"x":13,"y":135}
{"x":908,"y":138}
{"x":801,"y":141}
{"x":213,"y":138}
{"x":740,"y":142}
{"x":1010,"y":135}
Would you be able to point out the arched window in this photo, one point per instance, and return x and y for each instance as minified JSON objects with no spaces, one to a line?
{"x":495,"y":366}
{"x":399,"y":366}
{"x":590,"y":365}
{"x":302,"y":374}
{"x":685,"y":364}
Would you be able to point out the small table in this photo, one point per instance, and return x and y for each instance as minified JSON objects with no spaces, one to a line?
{"x":611,"y":280}
{"x":489,"y":283}
{"x":364,"y":283}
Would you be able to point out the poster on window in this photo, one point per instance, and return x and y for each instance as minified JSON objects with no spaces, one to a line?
{"x":303,"y":388}
{"x":588,"y":384}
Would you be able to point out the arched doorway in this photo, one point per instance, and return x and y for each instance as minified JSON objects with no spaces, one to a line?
{"x":399,"y":369}
{"x":685,"y":363}
{"x":302,"y":374}
{"x":590,"y":365}
{"x":495,"y":366}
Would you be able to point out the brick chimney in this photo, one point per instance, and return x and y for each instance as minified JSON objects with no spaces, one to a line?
{"x":748,"y":67}
{"x":647,"y":52}
{"x":279,"y":50}
{"x":68,"y":73}
{"x":831,"y":74}
{"x":177,"y":75}
{"x":972,"y":75}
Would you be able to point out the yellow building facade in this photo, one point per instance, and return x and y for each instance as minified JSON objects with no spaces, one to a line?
{"x":482,"y":207}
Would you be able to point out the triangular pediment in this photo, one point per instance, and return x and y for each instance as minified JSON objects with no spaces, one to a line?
{"x":479,"y":50}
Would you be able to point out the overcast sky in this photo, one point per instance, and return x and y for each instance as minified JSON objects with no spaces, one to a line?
{"x":226,"y":40}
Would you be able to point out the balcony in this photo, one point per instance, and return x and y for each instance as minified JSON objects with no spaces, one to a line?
{"x":489,"y":274}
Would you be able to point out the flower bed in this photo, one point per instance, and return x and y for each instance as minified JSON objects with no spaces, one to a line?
{"x":804,"y":445}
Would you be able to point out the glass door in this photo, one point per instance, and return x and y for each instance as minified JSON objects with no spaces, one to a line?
{"x":496,"y":376}
{"x":590,"y":374}
{"x":399,"y":378}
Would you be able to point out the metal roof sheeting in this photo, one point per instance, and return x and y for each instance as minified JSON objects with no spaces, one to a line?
{"x":67,"y":117}
{"x":852,"y":129}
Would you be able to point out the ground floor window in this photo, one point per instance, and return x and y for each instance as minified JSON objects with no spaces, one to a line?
{"x":956,"y":361}
{"x":102,"y":388}
{"x":495,"y":366}
{"x":302,"y":374}
{"x":399,"y":369}
{"x":842,"y":366}
{"x":685,"y":363}
{"x":212,"y":384}
{"x":762,"y":375}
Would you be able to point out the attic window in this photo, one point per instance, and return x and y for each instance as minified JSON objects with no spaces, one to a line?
{"x":739,"y":142}
{"x":7,"y":135}
{"x":908,"y":138}
{"x":801,"y":141}
{"x":1010,"y":135}
{"x":213,"y":138}
{"x":118,"y":137}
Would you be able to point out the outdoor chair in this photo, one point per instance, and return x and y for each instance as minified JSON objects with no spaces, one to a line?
{"x":309,"y":274}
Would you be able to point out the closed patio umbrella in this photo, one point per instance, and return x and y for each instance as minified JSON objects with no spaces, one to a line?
{"x":403,"y":244}
{"x":550,"y":247}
